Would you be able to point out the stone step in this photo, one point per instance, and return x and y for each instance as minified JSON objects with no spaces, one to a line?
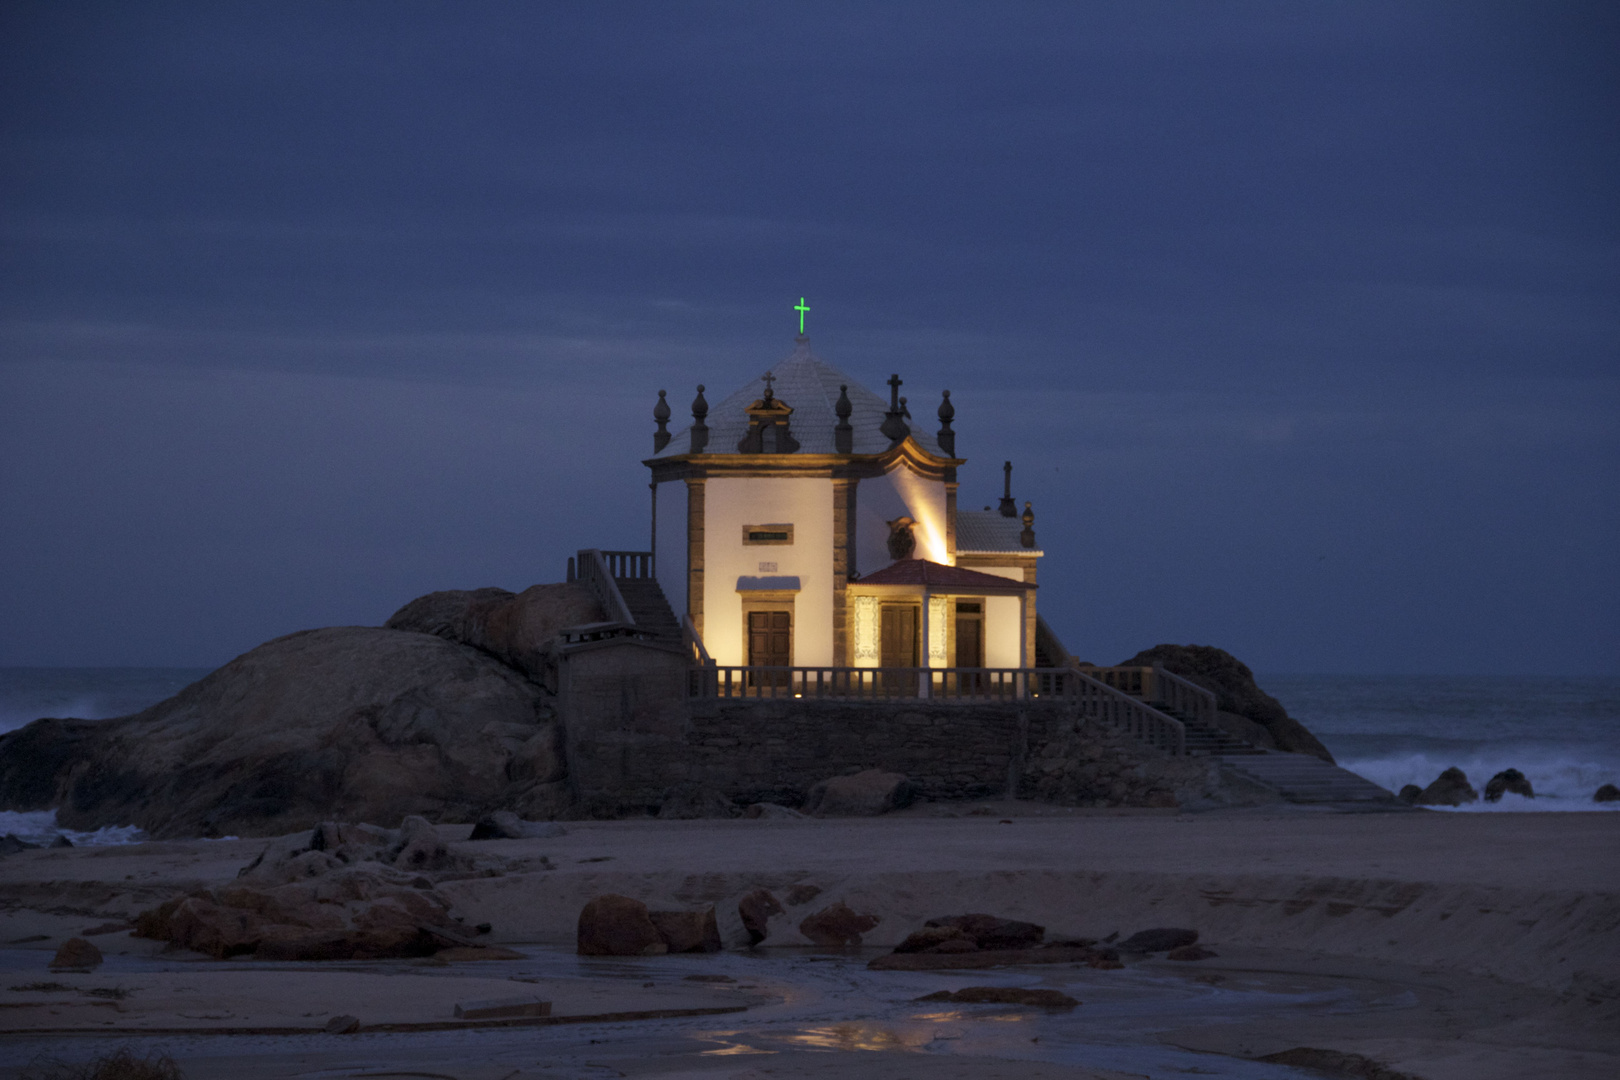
{"x":1301,"y":778}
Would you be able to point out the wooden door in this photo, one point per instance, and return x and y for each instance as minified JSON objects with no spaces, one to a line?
{"x":969,"y":648}
{"x":898,"y":635}
{"x":969,"y":641}
{"x":770,"y":644}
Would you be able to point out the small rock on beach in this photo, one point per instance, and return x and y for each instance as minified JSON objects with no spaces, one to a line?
{"x":1003,"y":995}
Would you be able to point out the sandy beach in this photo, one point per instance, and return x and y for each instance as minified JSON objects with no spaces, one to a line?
{"x":1451,"y":945}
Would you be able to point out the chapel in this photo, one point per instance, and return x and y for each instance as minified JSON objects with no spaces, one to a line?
{"x":804,"y":521}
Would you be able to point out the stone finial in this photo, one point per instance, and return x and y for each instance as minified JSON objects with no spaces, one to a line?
{"x":1027,"y":537}
{"x":661,"y":414}
{"x":894,"y":421}
{"x":700,"y":430}
{"x":843,"y":433}
{"x":946,"y":437}
{"x":1008,"y":506}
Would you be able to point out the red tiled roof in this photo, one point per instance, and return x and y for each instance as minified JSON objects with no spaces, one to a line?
{"x":935,"y":575}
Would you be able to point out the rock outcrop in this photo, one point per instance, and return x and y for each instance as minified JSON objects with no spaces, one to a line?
{"x":340,"y":892}
{"x":1508,"y":781}
{"x":1245,"y":710}
{"x":505,"y":825}
{"x":518,"y":629}
{"x":864,"y":794}
{"x":1095,"y":764}
{"x":1161,"y":939}
{"x":1450,"y":788}
{"x":348,"y":722}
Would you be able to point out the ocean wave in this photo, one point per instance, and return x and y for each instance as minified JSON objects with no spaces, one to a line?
{"x":40,"y":827}
{"x":1563,"y":778}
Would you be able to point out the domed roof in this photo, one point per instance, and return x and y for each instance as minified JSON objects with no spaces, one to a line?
{"x":810,"y":387}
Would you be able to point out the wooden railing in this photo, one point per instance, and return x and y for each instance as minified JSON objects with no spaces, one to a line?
{"x":594,"y":569}
{"x":883,"y":684}
{"x":1110,"y":705}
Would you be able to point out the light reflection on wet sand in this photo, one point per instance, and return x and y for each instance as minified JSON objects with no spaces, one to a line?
{"x":803,"y":1004}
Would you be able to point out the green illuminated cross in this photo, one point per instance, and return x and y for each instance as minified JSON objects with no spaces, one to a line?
{"x":801,"y":309}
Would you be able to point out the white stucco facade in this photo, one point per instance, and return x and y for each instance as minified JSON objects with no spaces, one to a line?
{"x":899,"y":492}
{"x":733,"y":504}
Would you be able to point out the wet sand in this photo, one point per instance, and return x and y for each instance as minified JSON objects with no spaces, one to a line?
{"x":1452,"y":945}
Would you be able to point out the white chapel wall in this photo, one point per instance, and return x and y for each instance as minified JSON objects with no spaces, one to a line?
{"x":882,"y":499}
{"x":672,"y":544}
{"x":1003,"y":631}
{"x":806,"y":503}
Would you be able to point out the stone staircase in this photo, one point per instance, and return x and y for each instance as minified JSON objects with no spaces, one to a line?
{"x":649,"y":608}
{"x":630,"y":595}
{"x":1301,"y":778}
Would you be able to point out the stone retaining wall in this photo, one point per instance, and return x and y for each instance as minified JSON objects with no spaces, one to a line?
{"x":630,"y":734}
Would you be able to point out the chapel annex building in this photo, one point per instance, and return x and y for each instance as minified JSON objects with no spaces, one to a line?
{"x":803,"y":521}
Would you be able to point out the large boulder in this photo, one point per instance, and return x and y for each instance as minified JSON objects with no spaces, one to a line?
{"x":688,"y":931}
{"x":1450,"y":788}
{"x":76,"y":954}
{"x":755,"y":909}
{"x":614,"y":925}
{"x":1606,"y":793}
{"x":519,"y":629}
{"x":1243,"y":706}
{"x":992,"y":932}
{"x":347,"y":722}
{"x":837,"y":924}
{"x":1508,"y":781}
{"x":862,"y":795}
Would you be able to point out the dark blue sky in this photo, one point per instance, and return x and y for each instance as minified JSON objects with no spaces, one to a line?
{"x":1300,"y":321}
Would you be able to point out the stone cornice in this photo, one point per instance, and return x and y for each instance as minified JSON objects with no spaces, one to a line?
{"x":833,"y":466}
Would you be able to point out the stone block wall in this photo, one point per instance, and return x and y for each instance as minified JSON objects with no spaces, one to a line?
{"x":774,"y":750}
{"x":630,"y":733}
